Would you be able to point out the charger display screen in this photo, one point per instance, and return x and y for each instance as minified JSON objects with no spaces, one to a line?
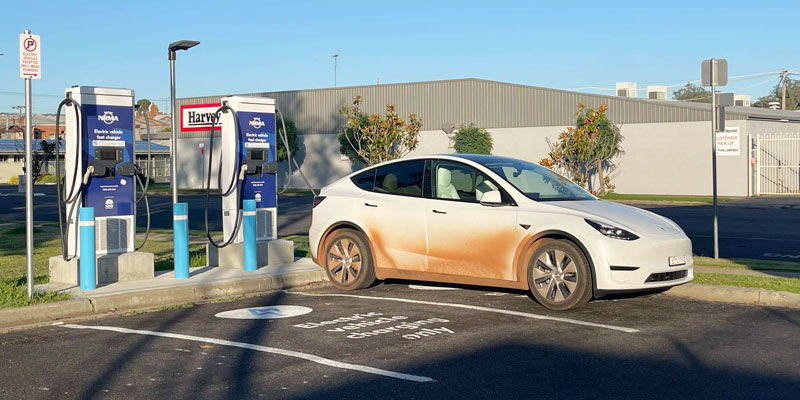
{"x":108,"y":155}
{"x":257,"y":155}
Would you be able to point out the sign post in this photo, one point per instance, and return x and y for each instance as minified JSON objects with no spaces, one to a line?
{"x":714,"y":72}
{"x":30,"y":67}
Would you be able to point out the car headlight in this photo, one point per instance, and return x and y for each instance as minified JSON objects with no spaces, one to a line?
{"x":611,"y":231}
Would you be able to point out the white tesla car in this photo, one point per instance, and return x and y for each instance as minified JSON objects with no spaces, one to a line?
{"x":491,"y":221}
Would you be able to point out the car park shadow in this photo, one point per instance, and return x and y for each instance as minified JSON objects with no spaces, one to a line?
{"x":438,"y":286}
{"x":521,"y":369}
{"x":115,"y":368}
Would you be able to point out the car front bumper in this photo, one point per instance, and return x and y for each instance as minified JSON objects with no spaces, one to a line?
{"x":643,"y":263}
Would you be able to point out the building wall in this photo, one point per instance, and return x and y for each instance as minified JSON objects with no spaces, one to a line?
{"x":666,"y":158}
{"x":9,"y":168}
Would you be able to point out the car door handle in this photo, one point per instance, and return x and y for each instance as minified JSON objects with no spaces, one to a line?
{"x":370,"y":205}
{"x":439,"y":212}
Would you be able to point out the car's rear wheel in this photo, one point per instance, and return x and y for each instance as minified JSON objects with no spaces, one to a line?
{"x":348,"y":260}
{"x":559,"y":276}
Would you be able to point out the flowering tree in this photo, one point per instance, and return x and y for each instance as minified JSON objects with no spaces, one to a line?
{"x":379,"y":137}
{"x":586,"y":148}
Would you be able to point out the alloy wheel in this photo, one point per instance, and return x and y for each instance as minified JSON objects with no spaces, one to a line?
{"x":555,"y":275}
{"x":344,"y":260}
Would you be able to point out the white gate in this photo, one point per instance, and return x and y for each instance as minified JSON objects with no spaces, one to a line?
{"x":778,"y":164}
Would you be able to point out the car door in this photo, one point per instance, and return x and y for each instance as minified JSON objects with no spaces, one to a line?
{"x":393,"y":214}
{"x":464,"y":237}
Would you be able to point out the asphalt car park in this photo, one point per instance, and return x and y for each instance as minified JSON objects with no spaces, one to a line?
{"x":403,"y":339}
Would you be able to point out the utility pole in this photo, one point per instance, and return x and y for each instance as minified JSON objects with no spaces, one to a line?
{"x":19,"y":119}
{"x":335,"y":58}
{"x":784,"y":73}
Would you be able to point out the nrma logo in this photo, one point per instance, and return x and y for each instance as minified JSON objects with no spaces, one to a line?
{"x":256,"y":122}
{"x":108,"y":117}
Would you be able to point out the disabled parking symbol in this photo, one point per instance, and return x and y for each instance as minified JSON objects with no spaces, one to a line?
{"x":266,"y":312}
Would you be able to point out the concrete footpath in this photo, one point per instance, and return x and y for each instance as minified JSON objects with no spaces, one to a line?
{"x":204,"y":283}
{"x":737,"y":295}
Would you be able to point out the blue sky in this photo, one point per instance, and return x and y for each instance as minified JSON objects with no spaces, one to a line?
{"x":259,"y":46}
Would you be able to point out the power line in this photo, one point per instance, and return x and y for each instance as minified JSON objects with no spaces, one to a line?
{"x":684,"y":82}
{"x":34,"y":94}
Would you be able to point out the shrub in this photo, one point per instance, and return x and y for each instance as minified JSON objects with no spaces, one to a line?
{"x":14,"y":180}
{"x":472,"y":139}
{"x":47,"y":178}
{"x":291,"y":137}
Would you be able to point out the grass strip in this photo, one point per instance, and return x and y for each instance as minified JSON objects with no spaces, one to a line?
{"x":747,"y":263}
{"x":14,"y":293}
{"x":791,"y":285}
{"x":301,"y":246}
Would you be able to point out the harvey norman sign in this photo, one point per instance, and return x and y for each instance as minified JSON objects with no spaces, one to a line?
{"x":198,"y":117}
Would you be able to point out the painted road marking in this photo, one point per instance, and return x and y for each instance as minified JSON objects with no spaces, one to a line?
{"x":267,"y":312}
{"x":428,"y":287}
{"x":778,"y":255}
{"x":750,"y":238}
{"x":265,"y":349}
{"x":477,"y":308}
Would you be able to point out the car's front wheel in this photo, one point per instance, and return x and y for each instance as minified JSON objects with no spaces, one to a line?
{"x":348,"y":260}
{"x":559,"y":276}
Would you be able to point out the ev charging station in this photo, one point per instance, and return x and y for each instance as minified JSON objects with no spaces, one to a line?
{"x":100,"y":173}
{"x":251,"y":153}
{"x":247,"y":173}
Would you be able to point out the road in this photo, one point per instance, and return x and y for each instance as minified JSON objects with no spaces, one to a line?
{"x":396,"y":341}
{"x":765,"y":233}
{"x":294,"y":217}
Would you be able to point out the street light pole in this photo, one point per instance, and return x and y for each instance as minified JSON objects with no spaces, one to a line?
{"x":174,"y":134}
{"x":173,"y":48}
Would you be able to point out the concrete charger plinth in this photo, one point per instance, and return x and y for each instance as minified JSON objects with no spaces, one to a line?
{"x":270,"y":253}
{"x":121,"y":267}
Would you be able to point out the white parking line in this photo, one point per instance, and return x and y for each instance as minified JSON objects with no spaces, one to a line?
{"x":477,"y":308}
{"x":265,"y":349}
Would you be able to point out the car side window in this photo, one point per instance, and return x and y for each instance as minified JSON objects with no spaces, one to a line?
{"x":453,"y":181}
{"x":365,"y":180}
{"x":531,"y":183}
{"x":403,"y":178}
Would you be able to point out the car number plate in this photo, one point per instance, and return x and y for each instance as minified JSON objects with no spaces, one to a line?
{"x":677,"y":260}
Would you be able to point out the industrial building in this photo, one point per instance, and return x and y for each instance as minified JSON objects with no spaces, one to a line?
{"x":667,"y":144}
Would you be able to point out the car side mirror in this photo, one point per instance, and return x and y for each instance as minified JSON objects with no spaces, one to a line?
{"x":491,"y":198}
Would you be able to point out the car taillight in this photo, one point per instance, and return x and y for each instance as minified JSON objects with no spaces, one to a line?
{"x":318,"y":200}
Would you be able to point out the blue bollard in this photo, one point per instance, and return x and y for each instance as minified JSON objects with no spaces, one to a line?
{"x":88,"y":273}
{"x":180,"y":234}
{"x":249,"y":233}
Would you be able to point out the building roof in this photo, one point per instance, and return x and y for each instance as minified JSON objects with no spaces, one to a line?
{"x":486,"y":103}
{"x":17,"y":146}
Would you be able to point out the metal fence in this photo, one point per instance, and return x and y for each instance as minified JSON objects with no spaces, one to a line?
{"x":777,"y":164}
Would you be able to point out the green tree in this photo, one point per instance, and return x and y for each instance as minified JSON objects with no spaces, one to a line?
{"x":144,"y":104}
{"x":291,"y":137}
{"x":470,"y":138}
{"x":692,"y":92}
{"x":384,"y":136}
{"x":587,"y":147}
{"x":347,"y":136}
{"x":792,"y":95}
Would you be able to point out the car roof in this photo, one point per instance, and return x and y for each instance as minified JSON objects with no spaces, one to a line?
{"x":481,"y":159}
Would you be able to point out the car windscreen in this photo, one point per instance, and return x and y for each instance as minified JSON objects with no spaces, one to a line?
{"x":537,"y":182}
